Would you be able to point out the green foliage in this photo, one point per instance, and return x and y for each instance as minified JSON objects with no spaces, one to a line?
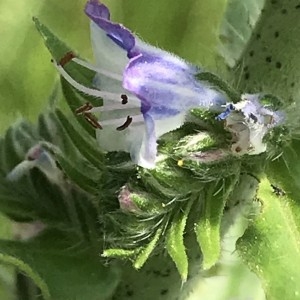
{"x":269,"y":63}
{"x":285,"y":170}
{"x":92,"y":202}
{"x":58,"y":269}
{"x":270,"y":245}
{"x":175,"y":241}
{"x":208,"y":225}
{"x":236,"y":28}
{"x":63,"y":207}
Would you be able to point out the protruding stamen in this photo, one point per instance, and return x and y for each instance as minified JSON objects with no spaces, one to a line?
{"x":67,"y":58}
{"x":126,"y":124}
{"x":124,"y":99}
{"x":114,"y":107}
{"x":253,"y":117}
{"x":97,"y":70}
{"x":86,"y":90}
{"x":92,"y":120}
{"x":83,"y":108}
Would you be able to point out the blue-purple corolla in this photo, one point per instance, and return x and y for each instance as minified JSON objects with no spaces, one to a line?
{"x":148,"y":90}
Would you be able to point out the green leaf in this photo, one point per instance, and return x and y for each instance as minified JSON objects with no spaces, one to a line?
{"x":285,"y":170}
{"x":61,"y":273}
{"x":237,"y":26}
{"x":270,"y":246}
{"x":56,"y":47}
{"x":85,"y":145}
{"x":17,"y":140}
{"x":146,"y":251}
{"x":33,"y":196}
{"x":78,"y":176}
{"x":74,"y":100}
{"x":69,"y":147}
{"x":58,"y":50}
{"x":175,"y":240}
{"x":207,"y":228}
{"x":119,"y":253}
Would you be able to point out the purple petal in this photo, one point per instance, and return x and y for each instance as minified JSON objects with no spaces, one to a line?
{"x":95,"y":8}
{"x":99,"y":13}
{"x":144,"y":154}
{"x":167,"y":85}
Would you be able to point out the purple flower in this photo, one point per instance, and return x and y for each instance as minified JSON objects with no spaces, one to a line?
{"x":151,"y":89}
{"x":249,"y":121}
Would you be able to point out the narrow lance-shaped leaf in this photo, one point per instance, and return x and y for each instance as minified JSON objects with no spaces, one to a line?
{"x":83,"y":180}
{"x":207,"y":228}
{"x":175,"y":240}
{"x":146,"y":252}
{"x":59,"y":50}
{"x":84,"y":144}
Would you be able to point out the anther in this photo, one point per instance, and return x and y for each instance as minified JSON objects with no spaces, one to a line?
{"x":67,"y":58}
{"x":92,"y":120}
{"x":253,"y":117}
{"x":238,"y":149}
{"x":126,"y":124}
{"x":124,"y":99}
{"x":83,"y":108}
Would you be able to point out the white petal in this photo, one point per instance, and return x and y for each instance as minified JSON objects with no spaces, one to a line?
{"x":108,"y":54}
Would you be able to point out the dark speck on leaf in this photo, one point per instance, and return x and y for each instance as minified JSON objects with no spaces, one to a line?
{"x":269,"y":59}
{"x":129,"y":293}
{"x":164,"y":291}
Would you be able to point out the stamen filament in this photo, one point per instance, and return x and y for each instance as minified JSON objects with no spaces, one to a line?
{"x":94,"y":92}
{"x":84,"y":89}
{"x":97,"y":70}
{"x":111,"y":107}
